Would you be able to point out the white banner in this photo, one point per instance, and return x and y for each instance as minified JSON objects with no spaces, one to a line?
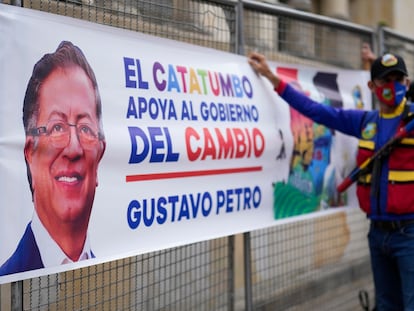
{"x":191,"y":145}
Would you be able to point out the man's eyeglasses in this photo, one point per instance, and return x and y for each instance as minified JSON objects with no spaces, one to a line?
{"x":58,"y":133}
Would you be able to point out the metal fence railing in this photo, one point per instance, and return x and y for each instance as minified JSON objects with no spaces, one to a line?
{"x":390,"y":41}
{"x":318,"y":263}
{"x":192,"y":277}
{"x":290,"y":35}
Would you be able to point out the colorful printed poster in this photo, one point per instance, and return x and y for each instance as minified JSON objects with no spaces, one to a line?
{"x":317,"y":161}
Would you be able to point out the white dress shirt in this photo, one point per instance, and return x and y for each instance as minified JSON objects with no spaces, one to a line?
{"x":50,"y":252}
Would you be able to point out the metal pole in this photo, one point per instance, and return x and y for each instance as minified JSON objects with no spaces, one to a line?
{"x":239,"y":28}
{"x":16,"y":2}
{"x":230,"y":305}
{"x":247,"y":273}
{"x":381,"y":41}
{"x":17,"y":296}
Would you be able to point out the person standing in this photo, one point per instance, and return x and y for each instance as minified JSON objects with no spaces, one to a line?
{"x":385,"y":194}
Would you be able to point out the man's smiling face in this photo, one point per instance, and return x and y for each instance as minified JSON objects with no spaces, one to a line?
{"x":64,"y":175}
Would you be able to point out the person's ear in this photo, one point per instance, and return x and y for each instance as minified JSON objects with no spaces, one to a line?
{"x":371,"y":85}
{"x":102,"y":151}
{"x":28,"y":148}
{"x":28,"y":152}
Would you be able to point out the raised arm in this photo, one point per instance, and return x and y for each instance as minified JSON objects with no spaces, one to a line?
{"x":346,"y":121}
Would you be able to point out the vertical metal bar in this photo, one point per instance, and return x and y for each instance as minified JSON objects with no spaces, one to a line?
{"x":17,"y":296}
{"x":376,"y":48}
{"x":381,"y":41}
{"x":247,"y":272}
{"x":374,"y":43}
{"x":231,"y":293}
{"x":239,"y":28}
{"x":16,"y":2}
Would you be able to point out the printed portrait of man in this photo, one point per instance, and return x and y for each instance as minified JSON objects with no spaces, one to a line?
{"x":62,"y":118}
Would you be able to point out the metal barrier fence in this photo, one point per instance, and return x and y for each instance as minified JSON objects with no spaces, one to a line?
{"x":318,"y":263}
{"x":391,"y":41}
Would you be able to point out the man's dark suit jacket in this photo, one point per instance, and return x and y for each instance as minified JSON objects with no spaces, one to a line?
{"x":26,"y":256}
